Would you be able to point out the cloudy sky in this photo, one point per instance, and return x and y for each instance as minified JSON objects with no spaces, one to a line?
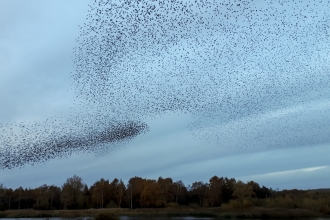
{"x":267,"y":121}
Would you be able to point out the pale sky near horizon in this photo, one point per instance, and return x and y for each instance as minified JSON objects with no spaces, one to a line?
{"x":284,"y":147}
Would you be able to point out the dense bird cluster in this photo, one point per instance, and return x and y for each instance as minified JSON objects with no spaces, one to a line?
{"x":228,"y":64}
{"x":61,"y":137}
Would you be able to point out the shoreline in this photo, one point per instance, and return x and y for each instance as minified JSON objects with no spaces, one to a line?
{"x":252,"y":212}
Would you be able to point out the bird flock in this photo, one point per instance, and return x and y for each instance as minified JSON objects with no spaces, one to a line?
{"x":226,"y":63}
{"x":61,"y":137}
{"x":219,"y":61}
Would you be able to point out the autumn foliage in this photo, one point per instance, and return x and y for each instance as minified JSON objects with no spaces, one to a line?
{"x":224,"y":192}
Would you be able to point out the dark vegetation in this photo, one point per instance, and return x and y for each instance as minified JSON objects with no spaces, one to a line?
{"x":219,"y":197}
{"x":106,"y":216}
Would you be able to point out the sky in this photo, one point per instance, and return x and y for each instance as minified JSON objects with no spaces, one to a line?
{"x":257,"y":109}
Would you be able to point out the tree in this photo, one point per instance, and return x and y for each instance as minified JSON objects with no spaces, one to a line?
{"x":41,"y":197}
{"x":216,"y":185}
{"x":86,"y":197}
{"x":151,"y":195}
{"x":8,"y":195}
{"x":54,"y":197}
{"x":167,"y":188}
{"x":135,"y":187}
{"x":242,"y":190}
{"x":179,"y":189}
{"x":261,"y":193}
{"x":27,"y":197}
{"x":19,"y":193}
{"x":118,"y":188}
{"x":2,"y":197}
{"x":72,"y":193}
{"x":199,"y":189}
{"x":102,"y":193}
{"x":228,"y":189}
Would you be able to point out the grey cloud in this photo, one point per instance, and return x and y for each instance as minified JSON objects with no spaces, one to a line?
{"x":271,"y":109}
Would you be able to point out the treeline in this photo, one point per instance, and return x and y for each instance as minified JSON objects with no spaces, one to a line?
{"x":164,"y":192}
{"x":137,"y":193}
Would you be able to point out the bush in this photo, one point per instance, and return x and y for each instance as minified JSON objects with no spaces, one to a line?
{"x":106,"y":216}
{"x":233,"y":204}
{"x":194,"y":205}
{"x":173,"y":205}
{"x":247,"y":203}
{"x":239,"y":203}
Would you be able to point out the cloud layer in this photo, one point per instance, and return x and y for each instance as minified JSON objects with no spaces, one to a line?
{"x":221,"y":90}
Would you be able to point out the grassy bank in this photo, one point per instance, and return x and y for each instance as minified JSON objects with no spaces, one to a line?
{"x":252,"y":212}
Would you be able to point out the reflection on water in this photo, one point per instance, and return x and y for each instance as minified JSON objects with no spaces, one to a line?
{"x":142,"y":218}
